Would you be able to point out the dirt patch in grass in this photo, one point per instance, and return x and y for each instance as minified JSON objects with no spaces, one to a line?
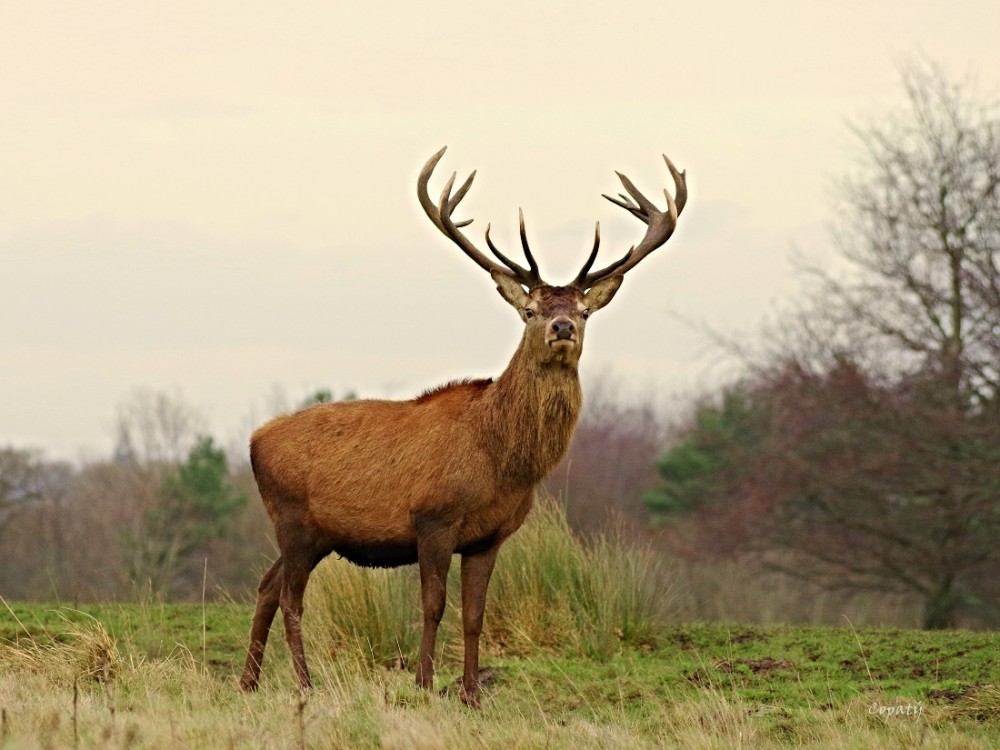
{"x":757,"y":666}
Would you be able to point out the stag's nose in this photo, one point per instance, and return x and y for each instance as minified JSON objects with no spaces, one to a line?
{"x":563,"y":328}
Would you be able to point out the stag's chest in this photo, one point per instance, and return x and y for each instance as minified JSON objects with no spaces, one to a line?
{"x":492,"y":524}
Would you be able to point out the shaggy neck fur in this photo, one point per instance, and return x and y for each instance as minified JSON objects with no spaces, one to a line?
{"x":531,"y":411}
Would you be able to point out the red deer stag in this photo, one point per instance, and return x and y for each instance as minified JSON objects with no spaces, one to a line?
{"x":389,"y":483}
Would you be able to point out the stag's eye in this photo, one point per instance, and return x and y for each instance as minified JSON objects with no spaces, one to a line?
{"x":585,"y":314}
{"x":529,"y":313}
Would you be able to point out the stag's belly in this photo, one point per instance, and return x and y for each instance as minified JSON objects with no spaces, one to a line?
{"x":474,"y":533}
{"x":377,"y":554}
{"x":389,"y":539}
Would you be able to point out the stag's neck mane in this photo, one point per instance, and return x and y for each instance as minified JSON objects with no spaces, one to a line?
{"x":531,"y":411}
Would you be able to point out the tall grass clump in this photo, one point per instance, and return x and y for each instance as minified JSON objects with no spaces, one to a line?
{"x":360,"y":612}
{"x":550,"y":591}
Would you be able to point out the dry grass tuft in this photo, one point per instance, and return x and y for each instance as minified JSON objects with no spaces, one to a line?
{"x":85,"y":652}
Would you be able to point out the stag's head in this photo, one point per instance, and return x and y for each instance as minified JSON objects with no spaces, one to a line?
{"x":555,"y":316}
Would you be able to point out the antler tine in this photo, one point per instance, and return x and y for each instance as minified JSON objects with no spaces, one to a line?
{"x":582,"y":276}
{"x":523,"y":274}
{"x":644,"y":203}
{"x":441,"y":216}
{"x":627,"y":204}
{"x":423,"y":196}
{"x":680,"y":184}
{"x":660,"y":224}
{"x":524,"y":245}
{"x":528,"y":276}
{"x":445,"y":204}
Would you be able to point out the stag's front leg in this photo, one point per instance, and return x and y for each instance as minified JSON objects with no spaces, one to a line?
{"x":434,"y":551}
{"x":476,"y":572}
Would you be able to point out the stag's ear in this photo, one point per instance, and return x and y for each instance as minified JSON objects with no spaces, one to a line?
{"x":602,"y":292}
{"x":511,"y":290}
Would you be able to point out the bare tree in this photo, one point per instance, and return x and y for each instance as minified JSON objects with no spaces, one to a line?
{"x":924,"y":241}
{"x":921,"y":229}
{"x":32,"y":493}
{"x":26,"y":478}
{"x":21,"y":481}
{"x":156,"y":428}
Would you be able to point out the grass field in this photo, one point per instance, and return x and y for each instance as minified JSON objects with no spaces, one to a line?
{"x":580,"y":649}
{"x":164,"y":676}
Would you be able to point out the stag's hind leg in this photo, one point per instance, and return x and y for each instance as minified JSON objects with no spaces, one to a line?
{"x":296,"y":576}
{"x":268,"y":595}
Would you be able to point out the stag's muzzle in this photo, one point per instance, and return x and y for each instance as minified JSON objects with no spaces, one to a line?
{"x":561,"y":333}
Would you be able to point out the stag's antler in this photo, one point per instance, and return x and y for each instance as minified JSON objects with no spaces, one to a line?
{"x":660,"y":225}
{"x":441,"y":212}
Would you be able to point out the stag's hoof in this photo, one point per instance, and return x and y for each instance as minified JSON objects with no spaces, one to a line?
{"x":470,"y":697}
{"x":470,"y":694}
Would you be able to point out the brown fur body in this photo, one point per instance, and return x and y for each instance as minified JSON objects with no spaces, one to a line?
{"x":356,"y":475}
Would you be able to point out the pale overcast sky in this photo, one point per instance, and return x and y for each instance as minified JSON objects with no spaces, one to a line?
{"x":217,"y":199}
